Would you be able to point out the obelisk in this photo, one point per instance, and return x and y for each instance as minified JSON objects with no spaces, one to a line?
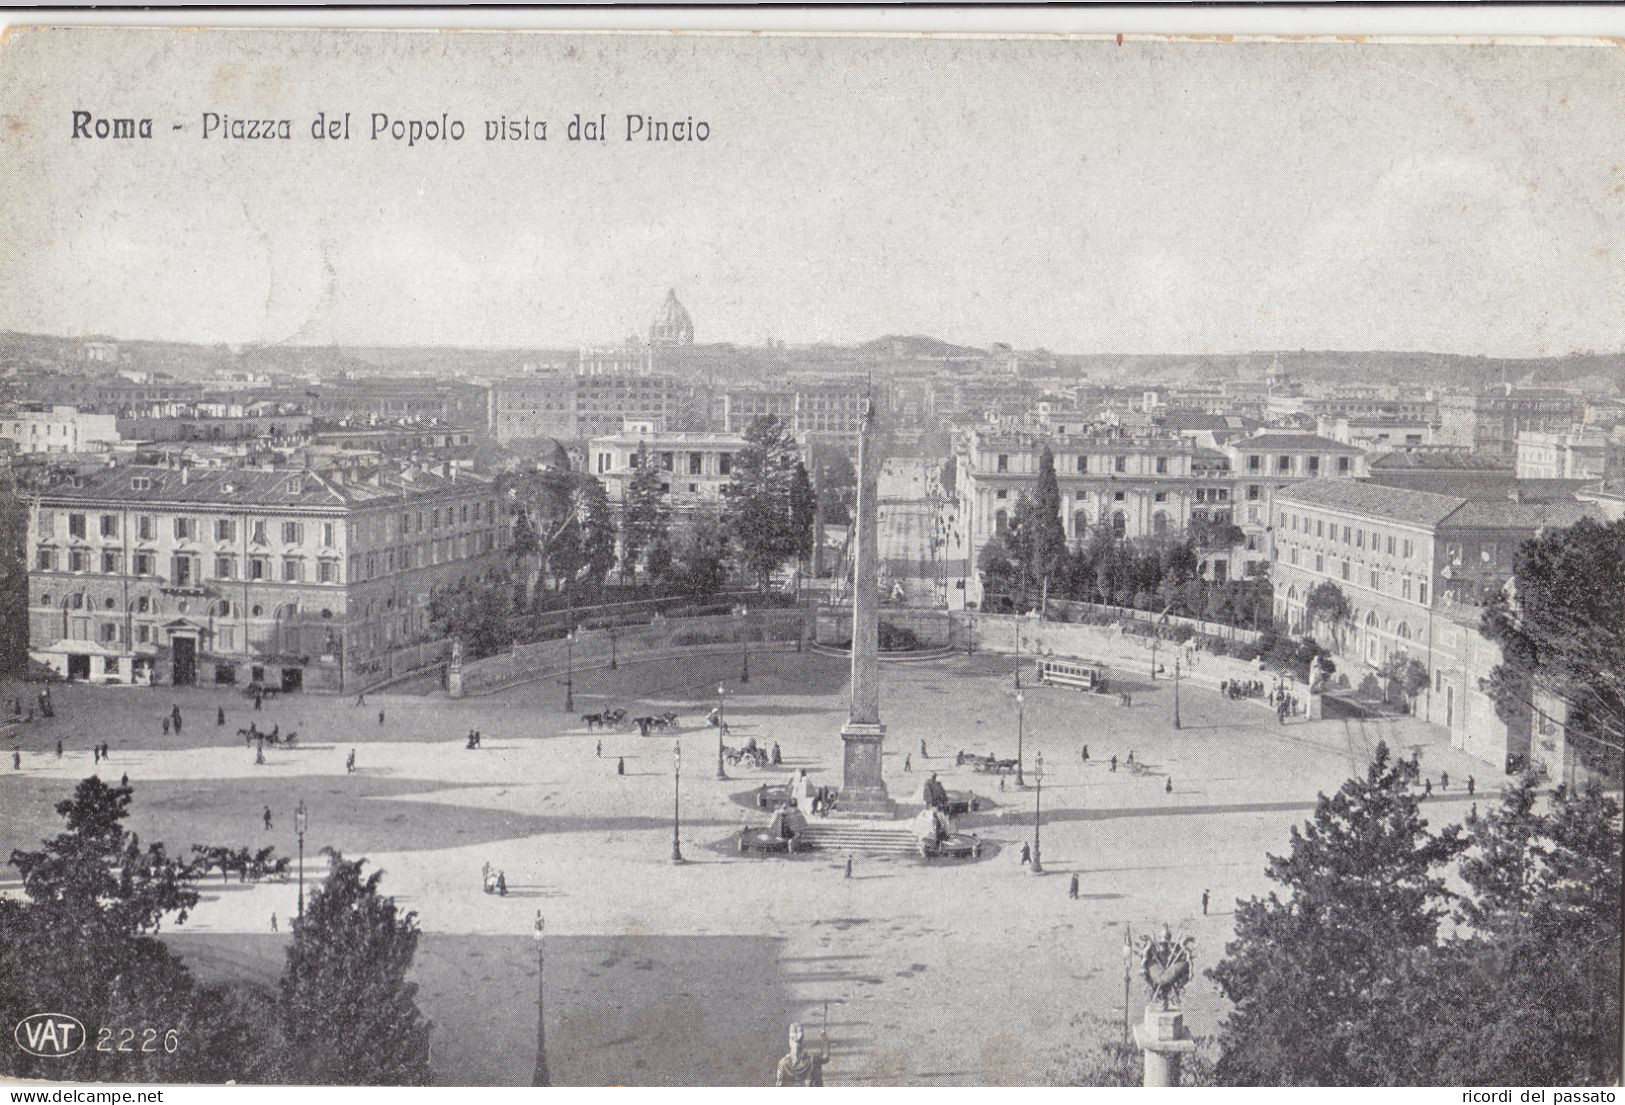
{"x":863,"y":790}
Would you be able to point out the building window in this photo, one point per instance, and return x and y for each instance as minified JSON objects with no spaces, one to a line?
{"x":1422,"y":593}
{"x":1390,"y":546}
{"x":224,"y":567}
{"x":1083,"y":464}
{"x":181,"y":571}
{"x":1407,"y":547}
{"x":293,"y":570}
{"x":143,"y":564}
{"x":109,"y":633}
{"x":1292,"y":554}
{"x":110,"y":563}
{"x":1119,"y":464}
{"x":76,"y":525}
{"x":1320,"y":563}
{"x":185,"y":529}
{"x":1376,"y":580}
{"x":1118,"y":497}
{"x":293,"y":533}
{"x":224,"y":529}
{"x":1252,"y":492}
{"x":1314,"y":466}
{"x":1345,"y":535}
{"x":1343,"y":466}
{"x":1345,"y":571}
{"x":1405,"y":587}
{"x":1359,"y":538}
{"x":257,"y":567}
{"x":109,"y":525}
{"x":327,"y":571}
{"x":328,"y":534}
{"x":143,"y":633}
{"x":724,"y":463}
{"x":77,"y":559}
{"x":45,"y":561}
{"x":1162,"y":466}
{"x":1283,"y":463}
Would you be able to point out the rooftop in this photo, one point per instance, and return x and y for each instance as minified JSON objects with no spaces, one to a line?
{"x":1427,"y":508}
{"x":279,"y":487}
{"x":1274,"y":440}
{"x":1440,"y":460}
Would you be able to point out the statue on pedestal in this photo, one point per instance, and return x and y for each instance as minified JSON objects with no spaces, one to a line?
{"x":1165,"y":964}
{"x":800,"y":1067}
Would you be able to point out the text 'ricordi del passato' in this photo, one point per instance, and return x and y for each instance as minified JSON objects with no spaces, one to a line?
{"x":377,"y":126}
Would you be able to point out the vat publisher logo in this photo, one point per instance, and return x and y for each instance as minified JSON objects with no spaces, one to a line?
{"x":49,"y":1035}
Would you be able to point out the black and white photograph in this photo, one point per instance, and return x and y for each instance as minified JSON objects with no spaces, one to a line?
{"x":570,"y":559}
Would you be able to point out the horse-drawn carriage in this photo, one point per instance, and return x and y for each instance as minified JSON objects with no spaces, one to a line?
{"x":985,"y":765}
{"x":655,"y":723}
{"x":606,"y":719}
{"x":750,"y":753}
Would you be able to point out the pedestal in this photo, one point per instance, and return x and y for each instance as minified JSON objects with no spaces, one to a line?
{"x":1316,"y":707}
{"x":1163,"y":1038}
{"x":454,"y":681}
{"x":863,"y":788}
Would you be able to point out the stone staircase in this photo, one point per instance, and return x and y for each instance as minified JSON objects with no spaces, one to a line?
{"x":835,"y":834}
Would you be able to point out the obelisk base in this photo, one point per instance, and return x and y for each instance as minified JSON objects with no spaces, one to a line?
{"x":863,"y":787}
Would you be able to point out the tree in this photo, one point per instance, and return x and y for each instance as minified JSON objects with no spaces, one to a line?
{"x":1045,"y":536}
{"x":563,"y":525}
{"x":477,"y":612}
{"x":345,"y":1006}
{"x":757,"y":505}
{"x":803,"y":510}
{"x":1405,"y":672}
{"x":1311,"y":975}
{"x":1561,"y":628}
{"x":1326,"y":602}
{"x":82,"y":943}
{"x":13,"y":582}
{"x":837,"y":485}
{"x":645,"y":515}
{"x":701,"y":557}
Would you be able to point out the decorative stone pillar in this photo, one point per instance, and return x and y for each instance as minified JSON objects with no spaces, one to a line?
{"x":863,"y":788}
{"x":454,"y":670}
{"x":1165,"y":1041}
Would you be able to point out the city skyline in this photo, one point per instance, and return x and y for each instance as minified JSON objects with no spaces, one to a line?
{"x":1173,"y":198}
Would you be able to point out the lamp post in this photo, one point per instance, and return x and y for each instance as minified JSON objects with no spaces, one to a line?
{"x":1153,"y":654}
{"x":1176,"y":688}
{"x":1021,"y":725}
{"x":721,"y":774}
{"x":541,"y":1077}
{"x":570,"y":672}
{"x":614,"y":659}
{"x":300,"y":820}
{"x":744,"y":645}
{"x":1037,"y":867}
{"x":1128,"y":959}
{"x":1018,"y":652}
{"x":676,"y":799}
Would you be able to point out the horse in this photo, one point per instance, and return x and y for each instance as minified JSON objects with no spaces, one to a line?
{"x":593,"y":721}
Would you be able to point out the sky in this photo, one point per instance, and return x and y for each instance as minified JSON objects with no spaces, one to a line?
{"x":1076,"y":195}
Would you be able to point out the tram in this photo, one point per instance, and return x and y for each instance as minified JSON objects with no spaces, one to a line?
{"x":1085,"y":675}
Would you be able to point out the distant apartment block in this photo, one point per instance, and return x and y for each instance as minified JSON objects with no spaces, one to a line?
{"x":37,"y":428}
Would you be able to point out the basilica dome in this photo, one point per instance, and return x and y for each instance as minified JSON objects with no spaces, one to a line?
{"x":671,"y":325}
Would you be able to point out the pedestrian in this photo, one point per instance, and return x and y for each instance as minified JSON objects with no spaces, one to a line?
{"x":267,"y":818}
{"x":1114,"y":763}
{"x":1026,"y":853}
{"x":361,"y":699}
{"x":1168,"y":787}
{"x":166,"y":727}
{"x":107,"y":751}
{"x":620,"y":766}
{"x":1072,"y":887}
{"x":1427,"y":788}
{"x":273,"y":922}
{"x":124,"y":779}
{"x":1472,"y":814}
{"x":1444,"y":780}
{"x":380,"y":717}
{"x":1204,"y":902}
{"x":1471,"y":783}
{"x":600,"y":751}
{"x":16,"y":761}
{"x":259,"y":754}
{"x":908,"y":763}
{"x":259,"y":699}
{"x":849,"y":865}
{"x":96,"y":753}
{"x":59,"y":750}
{"x":220,"y":715}
{"x":1001,"y":784}
{"x":1086,"y":753}
{"x":175,"y":716}
{"x":349,"y":763}
{"x":923,"y":756}
{"x":1131,"y":755}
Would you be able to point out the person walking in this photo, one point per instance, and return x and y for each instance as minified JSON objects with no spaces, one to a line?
{"x":923,"y":756}
{"x":107,"y":751}
{"x":1168,"y":787}
{"x":1086,"y":753}
{"x":620,"y":766}
{"x":267,"y":818}
{"x":166,"y":726}
{"x":273,"y":922}
{"x":96,"y":753}
{"x":1444,"y":780}
{"x":219,"y":715}
{"x":1427,"y":788}
{"x":124,"y":779}
{"x":175,"y":717}
{"x":1072,"y":887}
{"x":259,"y":698}
{"x":361,"y":699}
{"x":1114,"y":763}
{"x":380,"y":717}
{"x":59,"y":750}
{"x":1471,"y":783}
{"x":16,"y":761}
{"x":1026,"y":853}
{"x":1204,"y":902}
{"x":908,"y":764}
{"x":1001,"y":784}
{"x":849,"y":865}
{"x":600,"y":750}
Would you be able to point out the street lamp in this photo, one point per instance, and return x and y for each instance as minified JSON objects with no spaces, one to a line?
{"x":744,"y":644}
{"x":676,"y":799}
{"x":300,"y":820}
{"x":721,"y":774}
{"x":569,"y":672}
{"x":1021,"y":725}
{"x":1037,"y":867}
{"x":1176,"y":688}
{"x":1128,"y":958}
{"x":1018,"y":652}
{"x":541,"y":1078}
{"x":614,"y":659}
